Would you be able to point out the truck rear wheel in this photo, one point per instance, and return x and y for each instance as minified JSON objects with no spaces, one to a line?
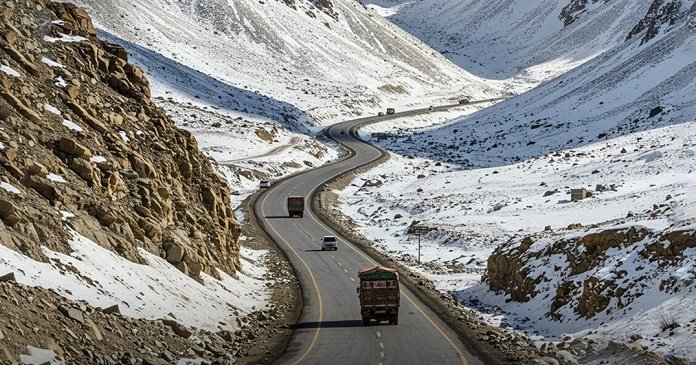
{"x":366,"y":321}
{"x":394,"y":321}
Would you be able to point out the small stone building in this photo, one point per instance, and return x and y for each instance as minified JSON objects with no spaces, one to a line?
{"x":578,"y":194}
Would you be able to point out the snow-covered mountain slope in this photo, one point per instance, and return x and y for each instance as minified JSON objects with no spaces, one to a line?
{"x":227,"y":71}
{"x":477,"y":210}
{"x":288,"y":63}
{"x":103,"y":278}
{"x":523,"y":42}
{"x":627,"y":89}
{"x":621,"y":125}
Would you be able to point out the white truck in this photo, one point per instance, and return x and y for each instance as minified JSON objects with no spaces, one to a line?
{"x":329,"y":243}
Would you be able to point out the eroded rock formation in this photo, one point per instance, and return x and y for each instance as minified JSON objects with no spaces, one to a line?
{"x":602,"y":271}
{"x":83,"y":148}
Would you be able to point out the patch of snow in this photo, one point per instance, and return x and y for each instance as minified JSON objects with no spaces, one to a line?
{"x":98,"y":159}
{"x":64,"y":38}
{"x":124,"y":136}
{"x":385,"y":8}
{"x":71,"y":125}
{"x":39,"y":356}
{"x":51,"y":62}
{"x":60,"y":82}
{"x":10,"y":71}
{"x":52,"y":109}
{"x":56,"y":178}
{"x":150,"y":291}
{"x":187,"y":361}
{"x":65,"y":215}
{"x":10,"y":188}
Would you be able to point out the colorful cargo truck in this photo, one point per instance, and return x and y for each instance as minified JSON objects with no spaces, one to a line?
{"x":379,"y":294}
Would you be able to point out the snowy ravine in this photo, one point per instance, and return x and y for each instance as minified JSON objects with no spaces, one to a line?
{"x":518,"y":43}
{"x":622,"y":125}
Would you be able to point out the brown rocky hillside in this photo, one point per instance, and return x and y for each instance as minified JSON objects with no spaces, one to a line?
{"x":84,"y":149}
{"x":602,"y":272}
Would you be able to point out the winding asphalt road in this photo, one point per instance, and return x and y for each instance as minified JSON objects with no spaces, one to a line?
{"x":330,"y":330}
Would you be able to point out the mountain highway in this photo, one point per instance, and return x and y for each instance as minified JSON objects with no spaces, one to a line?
{"x":330,"y":329}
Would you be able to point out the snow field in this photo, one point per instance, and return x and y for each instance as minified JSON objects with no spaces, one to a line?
{"x":476,"y":210}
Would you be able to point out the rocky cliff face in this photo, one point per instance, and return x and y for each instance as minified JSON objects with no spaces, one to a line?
{"x":84,"y":149}
{"x":661,"y":13}
{"x":323,"y":5}
{"x":575,"y":9}
{"x":590,"y":274}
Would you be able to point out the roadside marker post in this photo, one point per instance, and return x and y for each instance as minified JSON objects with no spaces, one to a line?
{"x":419,"y":231}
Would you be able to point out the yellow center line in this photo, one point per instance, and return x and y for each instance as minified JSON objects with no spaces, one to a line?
{"x":321,"y":304}
{"x":442,"y":333}
{"x":314,"y":281}
{"x":420,"y":310}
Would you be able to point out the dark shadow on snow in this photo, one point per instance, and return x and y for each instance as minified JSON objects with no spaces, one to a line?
{"x":224,"y":97}
{"x":557,"y":115}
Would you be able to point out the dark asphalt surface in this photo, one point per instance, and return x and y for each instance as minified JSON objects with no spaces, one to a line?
{"x":330,"y":330}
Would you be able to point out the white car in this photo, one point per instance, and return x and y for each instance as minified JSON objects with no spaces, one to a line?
{"x":264,"y":184}
{"x":329,"y":243}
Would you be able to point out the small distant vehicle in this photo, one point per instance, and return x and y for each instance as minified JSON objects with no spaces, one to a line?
{"x":391,"y":110}
{"x":329,"y":243}
{"x":264,"y":184}
{"x":430,"y":107}
{"x":464,"y":101}
{"x":296,"y":206}
{"x":380,"y":114}
{"x":343,"y":132}
{"x":378,"y":291}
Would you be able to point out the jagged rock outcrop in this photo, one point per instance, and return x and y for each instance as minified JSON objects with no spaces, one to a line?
{"x":87,"y":150}
{"x":324,"y":5}
{"x":575,"y":9}
{"x":661,"y":13}
{"x":586,"y":274}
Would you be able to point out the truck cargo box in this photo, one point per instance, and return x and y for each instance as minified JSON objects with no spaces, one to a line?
{"x":379,"y":294}
{"x":296,"y":206}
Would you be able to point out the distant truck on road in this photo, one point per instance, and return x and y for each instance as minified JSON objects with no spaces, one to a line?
{"x":296,"y":206}
{"x":378,"y":291}
{"x":464,"y":101}
{"x":391,"y":110}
